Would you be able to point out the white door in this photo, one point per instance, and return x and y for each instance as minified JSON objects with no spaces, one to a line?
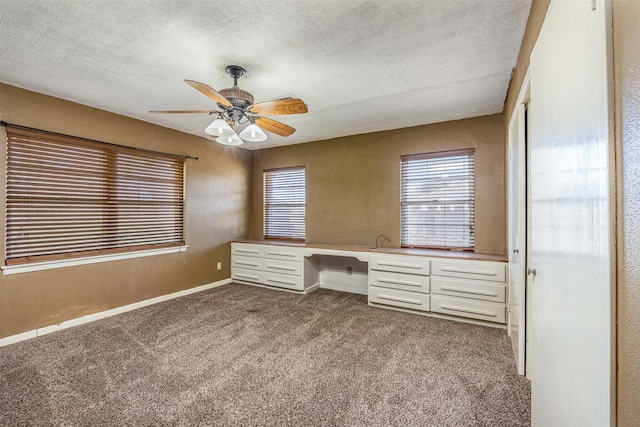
{"x":571,"y":217}
{"x":517,"y":240}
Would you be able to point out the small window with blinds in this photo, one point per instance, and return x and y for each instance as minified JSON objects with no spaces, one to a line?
{"x":438,"y":200}
{"x":68,"y":197}
{"x":284,"y":203}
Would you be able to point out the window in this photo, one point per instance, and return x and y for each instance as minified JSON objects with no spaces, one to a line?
{"x":438,"y":200}
{"x":68,"y":197}
{"x":284,"y":203}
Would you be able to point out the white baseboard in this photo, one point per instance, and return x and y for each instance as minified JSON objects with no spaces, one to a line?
{"x":345,"y":288}
{"x":276,"y":288}
{"x":312,"y":288}
{"x":108,"y":313}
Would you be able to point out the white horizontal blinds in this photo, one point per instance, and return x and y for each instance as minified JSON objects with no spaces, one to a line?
{"x":284,"y":203}
{"x":438,"y":200}
{"x":68,"y":197}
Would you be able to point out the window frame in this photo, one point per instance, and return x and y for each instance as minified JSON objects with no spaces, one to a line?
{"x":265,"y":206}
{"x":20,"y":138}
{"x":443,"y":224}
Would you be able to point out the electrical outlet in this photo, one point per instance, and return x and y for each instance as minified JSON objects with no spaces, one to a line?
{"x":219,"y":266}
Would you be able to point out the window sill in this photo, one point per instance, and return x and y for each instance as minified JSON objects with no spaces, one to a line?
{"x":48,"y":265}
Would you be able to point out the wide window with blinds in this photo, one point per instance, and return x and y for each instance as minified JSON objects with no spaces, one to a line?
{"x":284,"y":203}
{"x":68,"y":197}
{"x":438,"y":200}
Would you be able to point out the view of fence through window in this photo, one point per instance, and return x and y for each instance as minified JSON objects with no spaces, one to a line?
{"x":437,"y":201}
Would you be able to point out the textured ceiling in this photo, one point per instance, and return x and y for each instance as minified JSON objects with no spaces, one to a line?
{"x":361,"y":66}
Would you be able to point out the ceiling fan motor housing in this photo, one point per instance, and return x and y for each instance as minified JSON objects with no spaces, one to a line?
{"x":240,"y":99}
{"x":237,"y":97}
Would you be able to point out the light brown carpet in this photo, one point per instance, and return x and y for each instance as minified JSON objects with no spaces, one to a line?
{"x":242,"y":355}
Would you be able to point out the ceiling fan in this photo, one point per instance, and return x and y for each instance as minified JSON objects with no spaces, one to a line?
{"x":235,"y":106}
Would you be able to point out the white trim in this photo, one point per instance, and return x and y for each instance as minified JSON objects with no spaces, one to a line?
{"x":522,"y":356}
{"x":104,"y":314}
{"x":47,"y":265}
{"x":361,"y":290}
{"x":523,"y":94}
{"x":306,"y":290}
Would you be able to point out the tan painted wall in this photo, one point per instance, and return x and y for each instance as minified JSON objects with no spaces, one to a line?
{"x":626,"y":33}
{"x":216,"y":212}
{"x":353,"y":183}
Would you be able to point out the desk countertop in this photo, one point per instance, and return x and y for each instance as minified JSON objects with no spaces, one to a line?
{"x":398,"y":251}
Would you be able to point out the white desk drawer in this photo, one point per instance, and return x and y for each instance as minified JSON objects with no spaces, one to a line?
{"x":466,"y":288}
{"x":411,"y":300}
{"x":407,"y":282}
{"x":283,"y":267}
{"x":400,"y":264}
{"x":246,"y":249}
{"x":283,"y":281}
{"x":488,"y":311}
{"x":282,"y":252}
{"x":246,"y":275}
{"x":246,"y":262}
{"x":479,"y":270}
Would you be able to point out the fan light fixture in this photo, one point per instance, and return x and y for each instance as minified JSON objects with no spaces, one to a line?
{"x":229,"y":140}
{"x":235,"y":106}
{"x":253,"y":133}
{"x":219,"y":128}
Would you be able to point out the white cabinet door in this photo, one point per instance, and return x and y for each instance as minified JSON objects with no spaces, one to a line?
{"x":571,"y":226}
{"x":400,"y":264}
{"x":250,"y":263}
{"x":247,"y":249}
{"x":464,"y":288}
{"x":407,"y":282}
{"x":282,"y":252}
{"x":398,"y":298}
{"x":283,"y":267}
{"x":465,"y":307}
{"x":246,"y":275}
{"x":475,"y":270}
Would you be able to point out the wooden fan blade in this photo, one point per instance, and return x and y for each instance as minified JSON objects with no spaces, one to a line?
{"x":183,"y":111}
{"x":210,"y":92}
{"x":280,"y":106}
{"x":274,"y":126}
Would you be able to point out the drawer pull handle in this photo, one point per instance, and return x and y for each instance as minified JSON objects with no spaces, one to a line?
{"x":405,"y":300}
{"x":253,"y":264}
{"x":246,"y":276}
{"x":462,"y":270}
{"x":399,"y":282}
{"x":284,"y":282}
{"x":469,"y":310}
{"x":281,"y":254}
{"x":468,"y":291}
{"x":247,"y":251}
{"x":278,"y":267}
{"x":397,"y":264}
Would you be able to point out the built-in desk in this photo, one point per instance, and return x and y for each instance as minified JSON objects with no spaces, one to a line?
{"x":455,"y":285}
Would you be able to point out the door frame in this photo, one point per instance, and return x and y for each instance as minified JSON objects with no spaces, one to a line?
{"x":523,"y":356}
